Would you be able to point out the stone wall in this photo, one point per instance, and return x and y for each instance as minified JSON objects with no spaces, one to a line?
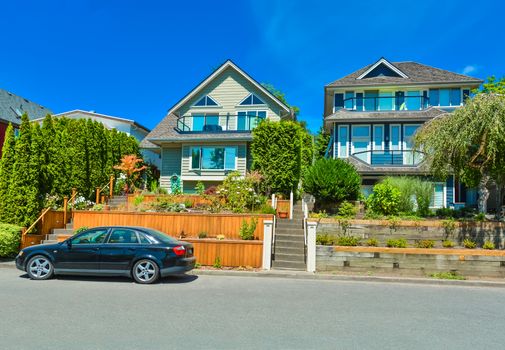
{"x":394,"y":261}
{"x":413,"y":231}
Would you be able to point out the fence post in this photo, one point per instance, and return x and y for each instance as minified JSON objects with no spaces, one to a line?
{"x":97,"y":201}
{"x":273,"y":200}
{"x":267,"y":244}
{"x":311,"y":246}
{"x":111,"y":186}
{"x":291,"y":206}
{"x":74,"y":193}
{"x":65,"y":207}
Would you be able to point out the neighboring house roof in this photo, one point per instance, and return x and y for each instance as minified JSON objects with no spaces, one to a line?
{"x":367,"y":169}
{"x":13,"y":106}
{"x":98,"y":115}
{"x":165,"y":130}
{"x":406,"y":73}
{"x":343,"y":115}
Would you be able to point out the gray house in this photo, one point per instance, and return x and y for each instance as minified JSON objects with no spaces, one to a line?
{"x":207,"y":133}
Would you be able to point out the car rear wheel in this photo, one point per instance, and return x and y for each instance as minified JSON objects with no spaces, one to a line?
{"x":145,"y":271}
{"x":39,"y":268}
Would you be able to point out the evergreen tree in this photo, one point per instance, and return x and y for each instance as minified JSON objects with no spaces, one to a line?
{"x":321,"y":143}
{"x":6,"y":166}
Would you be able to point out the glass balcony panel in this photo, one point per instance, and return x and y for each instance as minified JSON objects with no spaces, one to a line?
{"x":413,"y":100}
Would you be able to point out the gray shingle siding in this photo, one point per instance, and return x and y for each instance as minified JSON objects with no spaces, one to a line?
{"x":11,"y":105}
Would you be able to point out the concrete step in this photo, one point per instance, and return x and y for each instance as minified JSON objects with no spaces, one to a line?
{"x":290,"y":257}
{"x":293,"y":239}
{"x":289,"y":244}
{"x":69,"y":226}
{"x":51,"y":241}
{"x":289,"y":265}
{"x":61,"y":231}
{"x":289,"y":250}
{"x":294,"y":224}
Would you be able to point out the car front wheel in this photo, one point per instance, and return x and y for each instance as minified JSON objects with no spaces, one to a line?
{"x":39,"y":268}
{"x":145,"y":271}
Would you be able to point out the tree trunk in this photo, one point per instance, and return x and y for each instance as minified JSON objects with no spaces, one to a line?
{"x":483,"y":193}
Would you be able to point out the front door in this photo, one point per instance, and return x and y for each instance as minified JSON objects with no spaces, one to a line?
{"x":119,"y":251}
{"x":83,"y":252}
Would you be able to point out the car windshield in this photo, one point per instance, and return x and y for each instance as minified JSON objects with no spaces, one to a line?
{"x":160,"y":236}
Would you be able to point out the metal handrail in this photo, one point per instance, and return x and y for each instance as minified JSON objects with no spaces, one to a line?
{"x":398,"y":101}
{"x":181,"y":125}
{"x":392,"y":153}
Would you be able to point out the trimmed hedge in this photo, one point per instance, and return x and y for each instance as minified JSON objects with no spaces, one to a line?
{"x":10,"y":238}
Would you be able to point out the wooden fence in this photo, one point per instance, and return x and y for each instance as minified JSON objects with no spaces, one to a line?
{"x":195,"y":200}
{"x":230,"y":252}
{"x":283,"y":205}
{"x":175,"y":224}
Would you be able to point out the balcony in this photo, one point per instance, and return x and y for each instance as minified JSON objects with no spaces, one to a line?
{"x":241,"y":122}
{"x":390,"y":158}
{"x":386,"y":103}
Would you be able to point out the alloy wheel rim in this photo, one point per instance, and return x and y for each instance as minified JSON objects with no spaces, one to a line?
{"x":145,"y":271}
{"x":40,"y":267}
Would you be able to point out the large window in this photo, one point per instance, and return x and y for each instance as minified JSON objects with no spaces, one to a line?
{"x":213,"y":158}
{"x":445,"y":97}
{"x":343,"y":136}
{"x":360,"y":141}
{"x":203,"y":122}
{"x":248,"y":120}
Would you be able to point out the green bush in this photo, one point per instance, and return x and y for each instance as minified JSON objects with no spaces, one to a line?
{"x":332,"y":181}
{"x":347,"y":210}
{"x":397,"y":243}
{"x":470,"y":244}
{"x":372,"y":242}
{"x":385,"y":199}
{"x":325,"y":239}
{"x":202,"y":235}
{"x":415,"y":194}
{"x":444,"y":213}
{"x":425,"y":243}
{"x":347,"y":241}
{"x":200,"y":188}
{"x":488,"y":245}
{"x":239,"y":194}
{"x":10,"y":238}
{"x":138,"y":200}
{"x":217,"y":263}
{"x":247,"y":230}
{"x":447,"y":243}
{"x":267,"y":209}
{"x":449,"y":226}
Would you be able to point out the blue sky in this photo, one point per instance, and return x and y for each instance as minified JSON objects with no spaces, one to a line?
{"x":135,"y":59}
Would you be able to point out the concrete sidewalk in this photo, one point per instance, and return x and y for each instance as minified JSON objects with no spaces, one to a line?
{"x":329,"y":277}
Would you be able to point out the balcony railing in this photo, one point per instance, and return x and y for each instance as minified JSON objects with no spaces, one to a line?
{"x":390,"y":157}
{"x":387,"y":103}
{"x":218,"y":123}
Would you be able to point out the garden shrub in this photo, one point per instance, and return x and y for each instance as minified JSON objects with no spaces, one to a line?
{"x":397,"y":243}
{"x":247,"y":230}
{"x":267,"y":209}
{"x":239,"y":194}
{"x":385,"y":199}
{"x":425,"y":243}
{"x":217,"y":263}
{"x":10,"y":239}
{"x":200,"y":188}
{"x":320,"y":215}
{"x":332,"y":181}
{"x":138,"y":200}
{"x":447,"y":243}
{"x":325,"y":239}
{"x":347,"y":241}
{"x":470,"y":244}
{"x":372,"y":242}
{"x":444,"y":213}
{"x":449,"y":226}
{"x":488,"y":245}
{"x":415,"y":194}
{"x":202,"y":235}
{"x":347,"y":210}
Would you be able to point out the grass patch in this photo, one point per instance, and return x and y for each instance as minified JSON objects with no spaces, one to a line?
{"x":451,"y":275}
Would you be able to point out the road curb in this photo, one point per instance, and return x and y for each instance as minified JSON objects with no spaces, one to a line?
{"x":328,"y":277}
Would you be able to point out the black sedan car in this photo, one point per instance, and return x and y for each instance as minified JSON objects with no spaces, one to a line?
{"x":142,"y":253}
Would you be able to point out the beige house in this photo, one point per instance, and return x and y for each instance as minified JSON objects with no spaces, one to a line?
{"x":207,"y":133}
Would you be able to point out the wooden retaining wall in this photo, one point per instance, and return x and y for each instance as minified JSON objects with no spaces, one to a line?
{"x":230,"y":252}
{"x":174,"y":224}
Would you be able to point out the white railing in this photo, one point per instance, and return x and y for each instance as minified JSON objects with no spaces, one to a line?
{"x":291,"y":198}
{"x":305,"y":209}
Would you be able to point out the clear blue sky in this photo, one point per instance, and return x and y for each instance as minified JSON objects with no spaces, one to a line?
{"x":135,"y":59}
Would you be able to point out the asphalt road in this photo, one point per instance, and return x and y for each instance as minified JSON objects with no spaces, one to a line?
{"x":214,"y":312}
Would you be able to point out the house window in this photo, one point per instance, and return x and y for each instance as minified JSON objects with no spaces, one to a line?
{"x":438,"y":199}
{"x":213,"y":158}
{"x":434,"y":97}
{"x":206,"y":101}
{"x":343,"y":136}
{"x":455,"y":97}
{"x":202,"y":122}
{"x":248,"y":120}
{"x":446,"y":97}
{"x":339,"y":101}
{"x":413,"y":100}
{"x":349,"y":95}
{"x":360,"y":141}
{"x":250,"y":100}
{"x":466,"y":94}
{"x":394,"y":135}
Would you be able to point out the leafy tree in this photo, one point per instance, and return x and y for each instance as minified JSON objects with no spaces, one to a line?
{"x":281,"y":96}
{"x":332,"y":181}
{"x":493,"y":85}
{"x":132,"y":167}
{"x":277,"y":154}
{"x":6,"y":167}
{"x":321,"y":143}
{"x":470,"y":142}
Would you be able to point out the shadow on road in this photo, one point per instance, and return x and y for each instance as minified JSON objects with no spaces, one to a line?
{"x":178,"y":279}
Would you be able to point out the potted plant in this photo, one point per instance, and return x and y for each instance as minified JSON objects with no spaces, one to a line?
{"x":283,"y":214}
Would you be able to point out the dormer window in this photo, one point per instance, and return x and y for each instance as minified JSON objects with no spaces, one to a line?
{"x":206,"y":101}
{"x":251,"y":100}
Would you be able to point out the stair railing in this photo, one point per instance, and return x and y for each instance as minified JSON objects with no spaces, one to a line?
{"x":305,"y":209}
{"x":99,"y":190}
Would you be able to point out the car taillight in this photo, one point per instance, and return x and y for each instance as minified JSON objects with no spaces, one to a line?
{"x":179,"y":250}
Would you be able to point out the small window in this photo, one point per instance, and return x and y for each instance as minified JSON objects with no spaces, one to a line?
{"x":195,"y":157}
{"x":251,"y":99}
{"x":339,"y":101}
{"x":455,"y":97}
{"x":206,"y":101}
{"x":143,"y":239}
{"x":91,"y":237}
{"x":123,"y":236}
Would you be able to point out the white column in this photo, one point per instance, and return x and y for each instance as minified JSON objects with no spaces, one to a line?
{"x":273,"y":201}
{"x":267,"y":244}
{"x":291,"y":206}
{"x":311,"y":246}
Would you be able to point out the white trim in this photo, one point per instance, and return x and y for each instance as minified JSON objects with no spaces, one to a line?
{"x":387,"y":64}
{"x":227,"y":64}
{"x":339,"y":144}
{"x":203,"y":177}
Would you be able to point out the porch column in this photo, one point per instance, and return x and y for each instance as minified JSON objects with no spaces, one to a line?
{"x":311,"y":246}
{"x":267,"y":244}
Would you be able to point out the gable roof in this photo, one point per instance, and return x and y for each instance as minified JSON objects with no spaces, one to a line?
{"x":98,"y":115}
{"x":416,"y":73}
{"x":13,"y":106}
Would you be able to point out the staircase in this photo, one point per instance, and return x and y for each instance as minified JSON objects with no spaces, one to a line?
{"x":289,"y":247}
{"x":57,"y":234}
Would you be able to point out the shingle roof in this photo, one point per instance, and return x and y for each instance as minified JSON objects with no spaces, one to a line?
{"x":346,"y":115}
{"x":417,"y":73}
{"x":13,"y":106}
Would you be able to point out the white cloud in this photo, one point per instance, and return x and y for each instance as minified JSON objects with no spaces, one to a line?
{"x":469,"y":69}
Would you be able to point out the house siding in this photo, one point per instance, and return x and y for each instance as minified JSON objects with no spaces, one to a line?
{"x":229,"y":89}
{"x":171,"y":164}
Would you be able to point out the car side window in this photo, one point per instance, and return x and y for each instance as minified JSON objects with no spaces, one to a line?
{"x":124,"y":236}
{"x":143,"y":238}
{"x":91,"y":237}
